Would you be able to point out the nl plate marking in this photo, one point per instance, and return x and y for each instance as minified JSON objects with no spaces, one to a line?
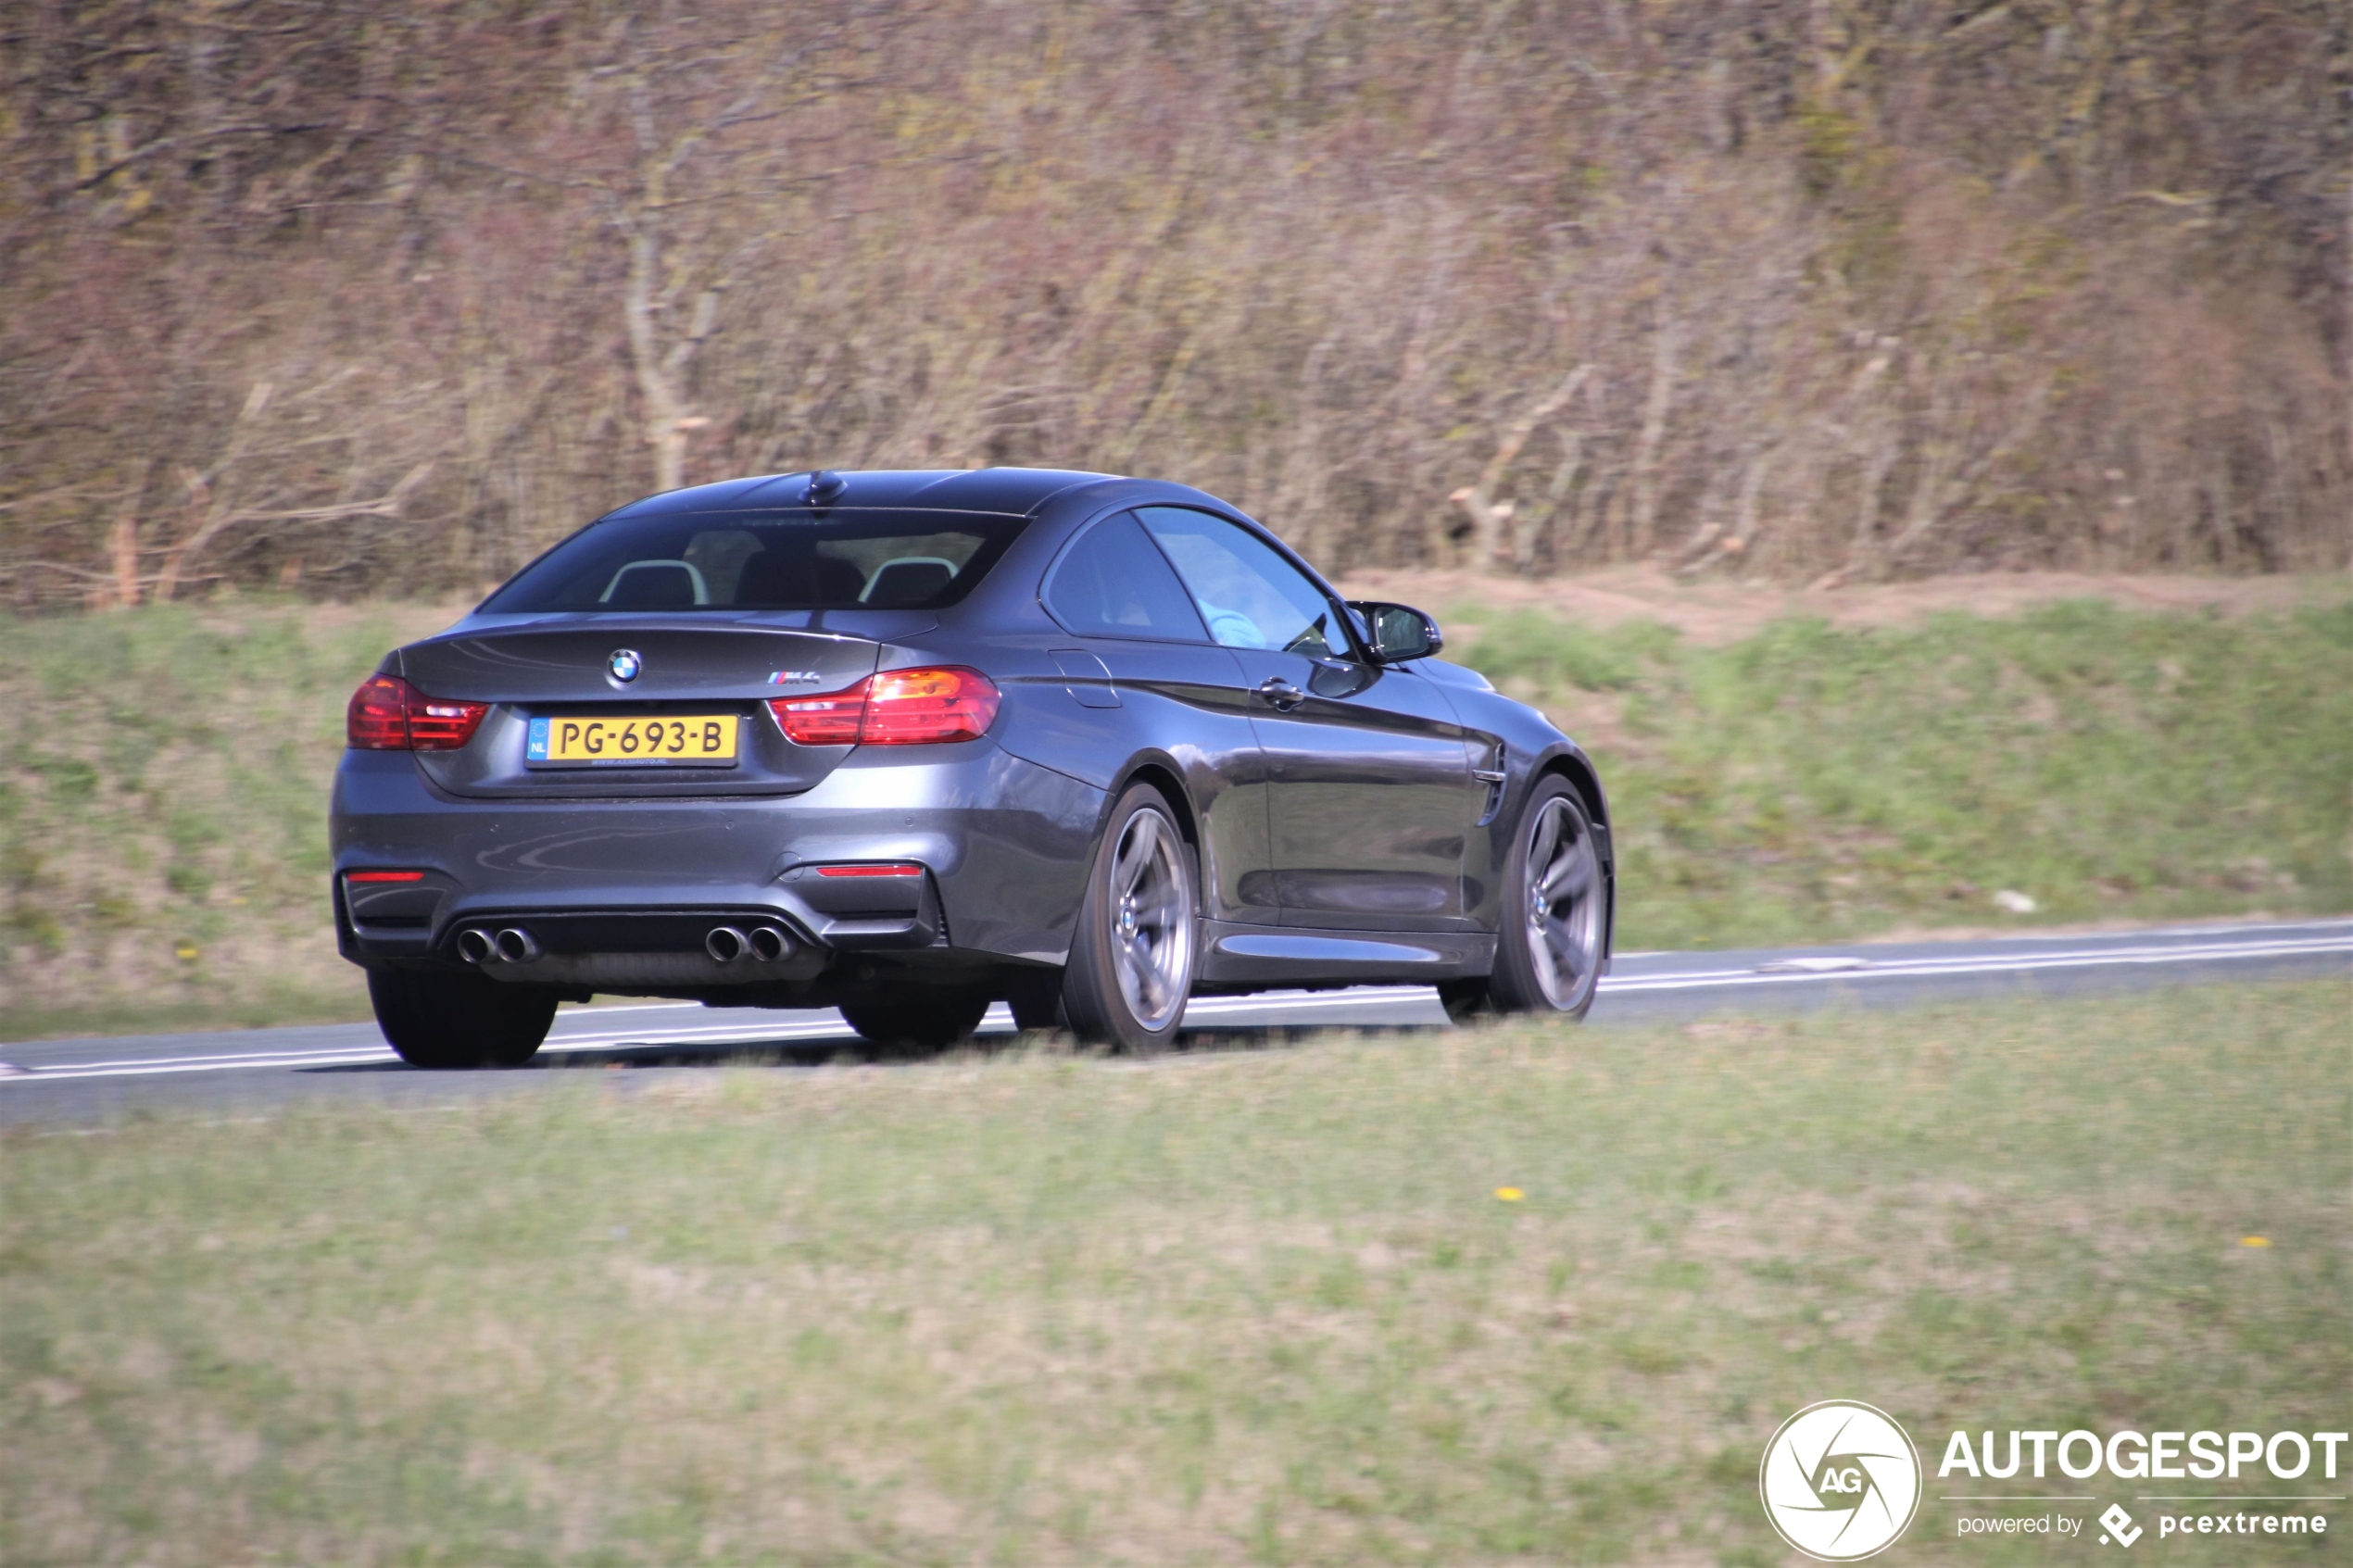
{"x":705,"y":739}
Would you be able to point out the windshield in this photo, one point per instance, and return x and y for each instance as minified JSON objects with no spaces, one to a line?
{"x":845,"y":558}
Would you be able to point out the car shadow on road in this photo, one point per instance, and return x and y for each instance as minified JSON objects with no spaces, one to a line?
{"x":848,"y":1050}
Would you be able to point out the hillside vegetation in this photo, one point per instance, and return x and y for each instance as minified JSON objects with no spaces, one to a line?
{"x":163,"y":856}
{"x":356,"y":301}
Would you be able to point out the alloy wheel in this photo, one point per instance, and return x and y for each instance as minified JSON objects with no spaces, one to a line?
{"x":1564,"y":905}
{"x":1152,"y":920}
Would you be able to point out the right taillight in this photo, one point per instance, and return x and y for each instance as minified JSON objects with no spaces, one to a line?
{"x":388,"y":714}
{"x":895,"y":708}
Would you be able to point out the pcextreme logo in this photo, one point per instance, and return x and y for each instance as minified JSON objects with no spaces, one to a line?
{"x":1841,"y":1481}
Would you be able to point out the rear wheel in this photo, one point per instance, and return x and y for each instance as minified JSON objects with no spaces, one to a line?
{"x":1132,"y":954}
{"x":449,"y":1021}
{"x":921,"y":1022}
{"x":1548,"y":955}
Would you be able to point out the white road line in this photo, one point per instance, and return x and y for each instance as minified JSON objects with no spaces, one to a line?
{"x":601,"y":1008}
{"x":1985,"y":964}
{"x":221,"y":1064}
{"x":2228,"y":928}
{"x":709,"y":1035}
{"x":1211,"y":1007}
{"x":1359,"y":995}
{"x":226,"y":1059}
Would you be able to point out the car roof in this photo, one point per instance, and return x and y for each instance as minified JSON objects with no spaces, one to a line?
{"x":1010,"y":491}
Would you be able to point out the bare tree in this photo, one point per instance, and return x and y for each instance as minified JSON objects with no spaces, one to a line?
{"x":1860,"y":287}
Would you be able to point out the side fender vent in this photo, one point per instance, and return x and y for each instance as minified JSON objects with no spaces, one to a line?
{"x":1495,"y":776}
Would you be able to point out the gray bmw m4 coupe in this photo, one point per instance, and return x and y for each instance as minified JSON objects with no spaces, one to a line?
{"x":909,"y":743}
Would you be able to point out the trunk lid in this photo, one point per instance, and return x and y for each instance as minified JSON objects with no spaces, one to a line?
{"x":566,"y":671}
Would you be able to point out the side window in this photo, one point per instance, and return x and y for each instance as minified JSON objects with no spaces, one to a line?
{"x":1250,"y":596}
{"x":1112,"y":583}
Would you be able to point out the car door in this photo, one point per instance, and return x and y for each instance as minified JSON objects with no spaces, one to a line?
{"x":1142,"y":666}
{"x":1369,"y":771}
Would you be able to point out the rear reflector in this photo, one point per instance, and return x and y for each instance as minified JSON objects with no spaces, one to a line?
{"x":871,"y":871}
{"x":895,"y":708}
{"x":383,"y":876}
{"x":388,"y":714}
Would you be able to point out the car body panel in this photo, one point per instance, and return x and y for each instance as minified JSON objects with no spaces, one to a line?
{"x":1005,"y":841}
{"x":1371,"y":795}
{"x":1184,"y":707}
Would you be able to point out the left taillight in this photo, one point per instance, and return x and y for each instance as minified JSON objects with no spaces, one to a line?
{"x":388,"y":714}
{"x":895,"y":708}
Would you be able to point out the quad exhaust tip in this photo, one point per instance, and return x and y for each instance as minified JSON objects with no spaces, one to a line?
{"x":726,"y":943}
{"x":766,"y":943}
{"x":513,"y":945}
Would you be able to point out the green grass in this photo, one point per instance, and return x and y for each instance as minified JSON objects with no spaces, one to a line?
{"x":1250,"y":1306}
{"x":163,"y":804}
{"x":1812,"y":783}
{"x":163,"y":812}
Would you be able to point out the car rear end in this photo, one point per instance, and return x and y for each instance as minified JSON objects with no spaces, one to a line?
{"x":716,"y":755}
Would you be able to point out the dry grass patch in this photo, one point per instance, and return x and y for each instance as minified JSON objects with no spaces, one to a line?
{"x":1247,"y":1306}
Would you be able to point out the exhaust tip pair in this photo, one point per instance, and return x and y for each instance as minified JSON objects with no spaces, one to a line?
{"x":726,"y":943}
{"x":513,"y":945}
{"x":766,"y":943}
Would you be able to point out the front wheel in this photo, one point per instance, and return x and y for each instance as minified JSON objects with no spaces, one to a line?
{"x":453,"y":1022}
{"x":1548,"y":954}
{"x":1132,"y":955}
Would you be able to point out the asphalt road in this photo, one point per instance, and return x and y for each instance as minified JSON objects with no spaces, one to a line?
{"x":81,"y":1081}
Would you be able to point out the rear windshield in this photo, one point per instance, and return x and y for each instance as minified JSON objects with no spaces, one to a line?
{"x":846,"y":559}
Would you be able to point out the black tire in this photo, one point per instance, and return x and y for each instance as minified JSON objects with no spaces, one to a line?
{"x":1134,"y":951}
{"x":453,"y":1021}
{"x":924,"y":1020}
{"x":1465,"y":1000}
{"x":1548,"y":955}
{"x":1035,"y":997}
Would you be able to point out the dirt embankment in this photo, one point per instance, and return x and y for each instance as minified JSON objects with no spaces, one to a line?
{"x":1713,"y":613}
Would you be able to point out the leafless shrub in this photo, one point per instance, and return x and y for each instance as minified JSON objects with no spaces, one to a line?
{"x":1867,"y":289}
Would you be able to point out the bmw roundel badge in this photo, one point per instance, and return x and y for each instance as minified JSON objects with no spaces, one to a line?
{"x":625,"y":666}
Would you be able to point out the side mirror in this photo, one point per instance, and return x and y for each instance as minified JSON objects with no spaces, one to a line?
{"x":1397,"y":633}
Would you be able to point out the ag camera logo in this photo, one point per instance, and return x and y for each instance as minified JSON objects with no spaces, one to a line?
{"x":1840,"y":1481}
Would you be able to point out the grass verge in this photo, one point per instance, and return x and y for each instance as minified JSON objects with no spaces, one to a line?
{"x":1245,"y":1306}
{"x":1812,"y":783}
{"x":163,"y":812}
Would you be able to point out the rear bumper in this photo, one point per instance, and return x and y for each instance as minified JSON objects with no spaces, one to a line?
{"x":1003,"y":844}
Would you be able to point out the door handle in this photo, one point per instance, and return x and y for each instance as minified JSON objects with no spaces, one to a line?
{"x":1280,"y":694}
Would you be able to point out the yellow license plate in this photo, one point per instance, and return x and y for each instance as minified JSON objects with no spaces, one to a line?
{"x":708,"y":738}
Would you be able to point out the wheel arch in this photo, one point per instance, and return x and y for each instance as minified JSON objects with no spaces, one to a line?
{"x":1162,"y":772}
{"x":1164,"y":775}
{"x":1579,"y":771}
